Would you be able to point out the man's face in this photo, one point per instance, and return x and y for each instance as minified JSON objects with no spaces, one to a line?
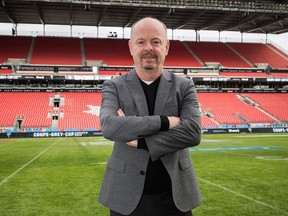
{"x":148,"y":45}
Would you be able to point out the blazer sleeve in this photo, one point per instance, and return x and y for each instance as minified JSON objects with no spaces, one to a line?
{"x":125,"y":128}
{"x":187,"y":134}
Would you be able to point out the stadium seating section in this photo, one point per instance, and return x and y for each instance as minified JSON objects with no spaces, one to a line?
{"x":231,"y":108}
{"x":6,"y":71}
{"x":180,"y":56}
{"x":275,"y":104}
{"x":115,"y":52}
{"x":33,"y":107}
{"x":80,"y":111}
{"x":217,"y":52}
{"x":14,"y":48}
{"x":261,"y":53}
{"x":56,"y":51}
{"x":112,"y":52}
{"x":245,"y":74}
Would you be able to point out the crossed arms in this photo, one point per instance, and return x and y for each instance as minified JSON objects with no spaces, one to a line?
{"x":184,"y":130}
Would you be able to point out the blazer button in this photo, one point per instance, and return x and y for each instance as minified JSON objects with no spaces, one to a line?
{"x":142,"y":172}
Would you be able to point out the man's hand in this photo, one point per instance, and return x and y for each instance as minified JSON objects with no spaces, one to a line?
{"x":173,"y":121}
{"x":120,"y":112}
{"x":133,"y":143}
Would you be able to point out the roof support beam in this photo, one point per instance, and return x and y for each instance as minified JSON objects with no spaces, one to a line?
{"x":131,"y":19}
{"x":215,"y":21}
{"x":71,"y":14}
{"x":277,"y":19}
{"x":7,"y":13}
{"x":242,"y":22}
{"x":103,"y":12}
{"x":167,"y":13}
{"x":39,"y":11}
{"x":189,"y":19}
{"x":284,"y":28}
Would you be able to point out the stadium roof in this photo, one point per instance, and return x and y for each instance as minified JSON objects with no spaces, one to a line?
{"x":245,"y":16}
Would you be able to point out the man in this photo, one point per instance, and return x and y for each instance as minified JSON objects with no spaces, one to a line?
{"x":153,"y":117}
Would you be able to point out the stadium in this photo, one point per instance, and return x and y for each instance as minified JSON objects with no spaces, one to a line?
{"x":52,"y":153}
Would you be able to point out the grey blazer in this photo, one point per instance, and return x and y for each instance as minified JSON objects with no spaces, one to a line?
{"x":124,"y":177}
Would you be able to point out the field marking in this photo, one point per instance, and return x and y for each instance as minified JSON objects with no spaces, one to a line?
{"x":271,"y":158}
{"x":243,"y":196}
{"x":217,"y":141}
{"x":264,"y":135}
{"x":232,"y":148}
{"x":99,"y":163}
{"x":29,"y":162}
{"x":103,"y":139}
{"x":96,"y":144}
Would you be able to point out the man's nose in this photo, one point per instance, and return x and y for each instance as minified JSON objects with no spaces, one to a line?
{"x":148,"y":46}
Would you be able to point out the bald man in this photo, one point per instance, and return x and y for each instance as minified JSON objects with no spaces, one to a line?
{"x":153,"y":118}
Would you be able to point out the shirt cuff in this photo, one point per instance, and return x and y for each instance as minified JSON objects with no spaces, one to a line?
{"x":164,"y":123}
{"x":142,"y":144}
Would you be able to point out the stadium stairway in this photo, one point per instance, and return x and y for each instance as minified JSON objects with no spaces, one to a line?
{"x":192,"y":53}
{"x":260,"y":54}
{"x":216,"y":52}
{"x":248,"y":100}
{"x":241,"y":56}
{"x":273,"y":104}
{"x":31,"y":48}
{"x":82,"y":50}
{"x":278,"y":51}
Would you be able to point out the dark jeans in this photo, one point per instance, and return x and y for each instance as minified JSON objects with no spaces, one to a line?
{"x":156,"y":205}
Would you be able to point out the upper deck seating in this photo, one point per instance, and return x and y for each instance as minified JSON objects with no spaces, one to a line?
{"x":112,"y":52}
{"x":56,"y":51}
{"x":14,"y":47}
{"x":217,"y":52}
{"x":179,"y":56}
{"x":260,"y":53}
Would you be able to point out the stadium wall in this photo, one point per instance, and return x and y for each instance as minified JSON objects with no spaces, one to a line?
{"x":99,"y":133}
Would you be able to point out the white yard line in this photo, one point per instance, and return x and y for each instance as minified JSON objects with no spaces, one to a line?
{"x":243,"y":196}
{"x":100,"y":163}
{"x":29,"y":162}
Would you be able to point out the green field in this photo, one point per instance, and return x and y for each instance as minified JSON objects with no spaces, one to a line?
{"x":240,"y":174}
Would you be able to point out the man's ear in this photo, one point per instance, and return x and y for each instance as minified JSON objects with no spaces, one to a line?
{"x":130,"y":47}
{"x":167,"y":47}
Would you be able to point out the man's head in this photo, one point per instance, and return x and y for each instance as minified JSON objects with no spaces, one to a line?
{"x":148,"y":45}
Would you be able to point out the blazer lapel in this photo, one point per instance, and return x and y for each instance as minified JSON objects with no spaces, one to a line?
{"x":137,"y":92}
{"x":163,"y":92}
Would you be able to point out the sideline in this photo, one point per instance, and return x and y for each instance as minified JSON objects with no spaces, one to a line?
{"x":29,"y":162}
{"x":243,"y":196}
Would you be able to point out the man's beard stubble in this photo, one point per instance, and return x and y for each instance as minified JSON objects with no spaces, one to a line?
{"x":153,"y":56}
